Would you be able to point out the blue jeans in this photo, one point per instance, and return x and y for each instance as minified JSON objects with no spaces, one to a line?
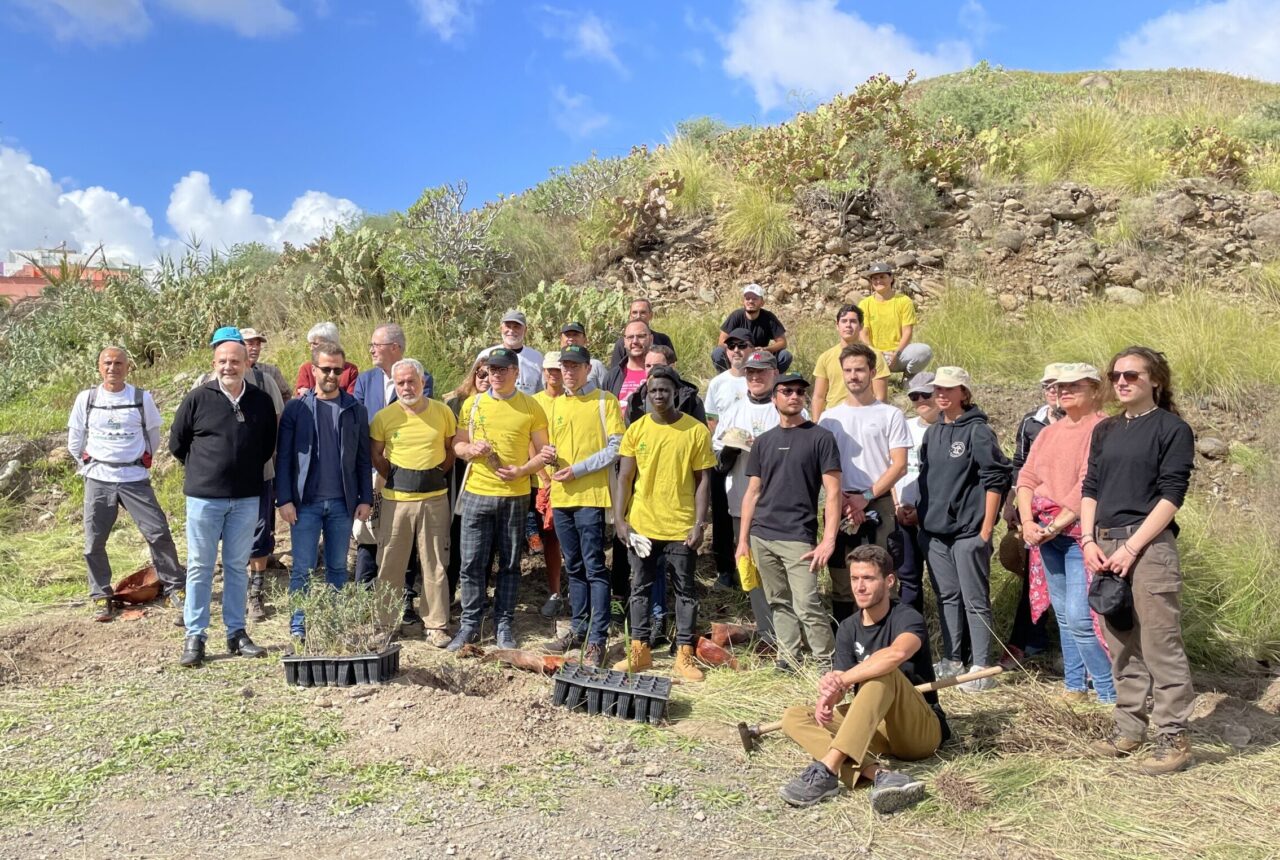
{"x":329,"y":517}
{"x":210,"y":522}
{"x":1069,"y":594}
{"x":581,"y":533}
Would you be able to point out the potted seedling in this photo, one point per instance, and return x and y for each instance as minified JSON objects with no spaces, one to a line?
{"x":347,"y":639}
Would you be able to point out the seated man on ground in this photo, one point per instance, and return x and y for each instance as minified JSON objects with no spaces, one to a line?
{"x":767,"y":331}
{"x":882,"y":652}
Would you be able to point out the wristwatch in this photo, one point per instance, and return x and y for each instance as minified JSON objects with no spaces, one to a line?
{"x":868,"y":495}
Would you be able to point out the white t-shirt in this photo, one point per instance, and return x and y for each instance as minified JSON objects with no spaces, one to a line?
{"x":755,"y":418}
{"x":114,"y":434}
{"x":907,"y":488}
{"x":723,"y":391}
{"x":865,"y":435}
{"x":529,"y":378}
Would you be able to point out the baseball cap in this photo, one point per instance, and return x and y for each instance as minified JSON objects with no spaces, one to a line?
{"x":753,"y":290}
{"x":951,"y":377}
{"x":791,"y":379}
{"x":573,"y":326}
{"x":1051,"y":372}
{"x":921,"y":383}
{"x":1077,"y":371}
{"x":879,"y":268}
{"x":515,"y":316}
{"x":761,"y":359}
{"x":576,"y":353}
{"x":551,"y":361}
{"x":739,"y":333}
{"x":249,"y":334}
{"x":226,"y":333}
{"x":500,"y":356}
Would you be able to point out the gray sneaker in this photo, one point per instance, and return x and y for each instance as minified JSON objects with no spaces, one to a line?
{"x":978,"y":685}
{"x":947,"y":668}
{"x":506,"y":638}
{"x":464,"y":636}
{"x":814,"y":785}
{"x":893,"y":791}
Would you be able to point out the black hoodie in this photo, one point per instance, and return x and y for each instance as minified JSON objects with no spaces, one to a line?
{"x":959,"y":463}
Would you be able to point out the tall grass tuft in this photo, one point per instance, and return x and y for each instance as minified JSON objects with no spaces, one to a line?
{"x":1264,"y":171}
{"x":1135,"y":170}
{"x":757,"y":224}
{"x":705,"y":179}
{"x":967,"y":328}
{"x":1076,"y":141}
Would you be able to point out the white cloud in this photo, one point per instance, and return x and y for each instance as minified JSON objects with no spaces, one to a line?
{"x":446,"y":17}
{"x":1237,"y":36}
{"x":812,"y":47}
{"x":574,"y":115}
{"x":588,"y":37}
{"x":974,"y":20}
{"x":247,"y":17}
{"x":90,"y":20}
{"x":36,"y":211}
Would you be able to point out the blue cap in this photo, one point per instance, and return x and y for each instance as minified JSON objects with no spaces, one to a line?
{"x":226,"y":333}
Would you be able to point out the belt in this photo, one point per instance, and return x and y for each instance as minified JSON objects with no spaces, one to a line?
{"x":1120,"y":533}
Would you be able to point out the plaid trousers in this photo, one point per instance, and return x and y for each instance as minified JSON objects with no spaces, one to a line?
{"x":486,"y":520}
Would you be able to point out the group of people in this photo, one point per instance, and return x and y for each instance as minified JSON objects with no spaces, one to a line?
{"x":552,"y":452}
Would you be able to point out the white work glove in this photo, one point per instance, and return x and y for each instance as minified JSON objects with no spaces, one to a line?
{"x":641,"y":544}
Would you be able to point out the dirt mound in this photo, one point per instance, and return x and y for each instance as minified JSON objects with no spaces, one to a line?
{"x":57,"y":648}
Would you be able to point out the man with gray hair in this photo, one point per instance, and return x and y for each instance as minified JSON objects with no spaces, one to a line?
{"x":412,"y":449}
{"x":513,"y":329}
{"x":113,"y":431}
{"x":323,"y":332}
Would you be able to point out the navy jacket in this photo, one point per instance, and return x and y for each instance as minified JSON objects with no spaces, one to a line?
{"x":297,"y":451}
{"x":368,"y":390}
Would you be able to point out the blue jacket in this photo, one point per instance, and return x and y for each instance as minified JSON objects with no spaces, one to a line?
{"x":372,"y":396}
{"x":296,"y":450}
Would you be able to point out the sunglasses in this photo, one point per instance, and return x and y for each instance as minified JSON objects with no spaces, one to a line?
{"x":484,"y":374}
{"x":790,"y":392}
{"x":235,"y":407}
{"x":736,"y":345}
{"x":329,"y":371}
{"x":917,"y":396}
{"x":1130,"y":376}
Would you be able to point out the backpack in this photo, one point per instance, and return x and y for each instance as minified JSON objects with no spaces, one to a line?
{"x":138,"y":395}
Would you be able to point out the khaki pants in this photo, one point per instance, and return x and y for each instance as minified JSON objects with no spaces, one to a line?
{"x":887,"y":716}
{"x":424,"y":523}
{"x":1149,"y":659}
{"x":799,"y":615}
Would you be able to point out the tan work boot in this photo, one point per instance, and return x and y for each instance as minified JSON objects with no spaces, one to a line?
{"x":1116,"y":746}
{"x":686,"y":667}
{"x":639,"y":658}
{"x":1172,"y":754}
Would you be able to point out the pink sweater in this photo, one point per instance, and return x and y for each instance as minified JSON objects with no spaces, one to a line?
{"x":1057,"y":461}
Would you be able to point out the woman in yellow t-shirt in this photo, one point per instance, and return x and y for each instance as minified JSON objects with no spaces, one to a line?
{"x":888,"y":323}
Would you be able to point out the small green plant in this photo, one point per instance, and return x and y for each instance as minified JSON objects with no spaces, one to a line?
{"x":662,"y":792}
{"x":1264,"y":170}
{"x":1134,"y":226}
{"x":905,"y":199}
{"x":757,"y":224}
{"x":1209,"y":151}
{"x":552,"y":305}
{"x":1135,"y":170}
{"x":703,"y":178}
{"x":1074,"y":141}
{"x":347,"y":621}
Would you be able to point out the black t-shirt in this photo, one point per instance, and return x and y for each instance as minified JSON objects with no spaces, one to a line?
{"x":790,"y":463}
{"x":856,"y":642}
{"x":764,"y":328}
{"x":1133,"y":464}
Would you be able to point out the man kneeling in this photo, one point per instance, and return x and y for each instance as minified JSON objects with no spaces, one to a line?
{"x":882,"y":652}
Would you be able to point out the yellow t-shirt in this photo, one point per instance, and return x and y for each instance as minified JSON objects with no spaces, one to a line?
{"x":883,"y":322}
{"x":666,"y":455}
{"x":413,"y":440}
{"x":576,"y":429}
{"x":828,"y":367}
{"x":508,"y":426}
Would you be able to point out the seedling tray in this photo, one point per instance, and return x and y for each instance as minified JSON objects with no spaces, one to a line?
{"x":342,"y":671}
{"x":642,"y":698}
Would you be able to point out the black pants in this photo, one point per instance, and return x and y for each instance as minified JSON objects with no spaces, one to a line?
{"x":1027,"y":634}
{"x":680,"y":559}
{"x":367,"y":568}
{"x":911,"y":569}
{"x":723,"y":543}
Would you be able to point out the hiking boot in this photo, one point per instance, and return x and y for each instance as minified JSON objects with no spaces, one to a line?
{"x":892,"y":791}
{"x":554,"y":607}
{"x":1172,"y":754}
{"x":567,"y":642}
{"x":728,"y":580}
{"x":658,"y":632}
{"x":505,"y":637}
{"x":257,"y":608}
{"x":239,"y":642}
{"x":104,"y":609}
{"x":978,"y":685}
{"x":464,"y":636}
{"x":411,"y":618}
{"x":1074,"y":697}
{"x":814,"y":785}
{"x":686,"y":664}
{"x":639,"y":658}
{"x":439,"y":638}
{"x":1116,"y":746}
{"x":592,"y":656}
{"x":192,"y":651}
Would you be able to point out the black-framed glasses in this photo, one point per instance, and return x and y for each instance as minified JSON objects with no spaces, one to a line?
{"x":374,"y":345}
{"x":328,"y":371}
{"x":1129,"y":376}
{"x":917,"y":396}
{"x":235,"y":407}
{"x":736,"y":345}
{"x":790,"y":392}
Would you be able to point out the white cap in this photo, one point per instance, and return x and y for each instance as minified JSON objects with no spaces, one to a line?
{"x":753,"y":290}
{"x":952,"y":377}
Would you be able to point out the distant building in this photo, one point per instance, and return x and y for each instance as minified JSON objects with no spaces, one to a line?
{"x":21,"y":279}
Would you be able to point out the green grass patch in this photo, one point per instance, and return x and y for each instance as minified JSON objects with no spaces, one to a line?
{"x":757,"y":224}
{"x":705,"y":179}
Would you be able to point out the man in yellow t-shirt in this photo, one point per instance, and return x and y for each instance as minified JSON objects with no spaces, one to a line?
{"x":828,"y":376}
{"x":586,"y":432}
{"x":888,"y":320}
{"x":412,"y":448}
{"x":666,"y":455}
{"x":495,"y":431}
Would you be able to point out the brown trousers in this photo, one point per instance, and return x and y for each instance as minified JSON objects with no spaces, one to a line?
{"x":887,"y":716}
{"x":1150,"y":660}
{"x":424,"y":523}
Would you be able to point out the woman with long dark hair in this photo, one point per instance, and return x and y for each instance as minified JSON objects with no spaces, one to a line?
{"x":1140,"y":464}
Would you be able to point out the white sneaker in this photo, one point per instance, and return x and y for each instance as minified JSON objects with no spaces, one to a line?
{"x":947,"y":668}
{"x":978,"y":685}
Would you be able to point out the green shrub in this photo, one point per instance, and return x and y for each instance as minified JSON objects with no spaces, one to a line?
{"x":537,"y":248}
{"x":1075,"y":141}
{"x":704,"y":178}
{"x":1261,"y":125}
{"x":701,"y":130}
{"x":756,"y":224}
{"x":574,"y":193}
{"x":984,"y":97}
{"x":1134,"y":226}
{"x":904,"y":198}
{"x":550,"y":306}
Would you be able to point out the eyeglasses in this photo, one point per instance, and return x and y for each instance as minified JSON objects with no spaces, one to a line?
{"x":499,"y":369}
{"x":235,"y":407}
{"x":917,"y":396}
{"x":328,"y":370}
{"x":790,"y":392}
{"x":373,"y":345}
{"x":1130,"y":376}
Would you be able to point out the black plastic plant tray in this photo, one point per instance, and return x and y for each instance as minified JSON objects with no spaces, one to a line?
{"x":642,"y":698}
{"x":342,"y":671}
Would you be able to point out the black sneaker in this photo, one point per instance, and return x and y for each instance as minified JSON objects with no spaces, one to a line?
{"x":567,"y":642}
{"x":464,"y":636}
{"x":814,"y":784}
{"x":893,"y":791}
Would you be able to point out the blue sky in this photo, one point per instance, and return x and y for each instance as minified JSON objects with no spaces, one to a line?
{"x":136,"y":122}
